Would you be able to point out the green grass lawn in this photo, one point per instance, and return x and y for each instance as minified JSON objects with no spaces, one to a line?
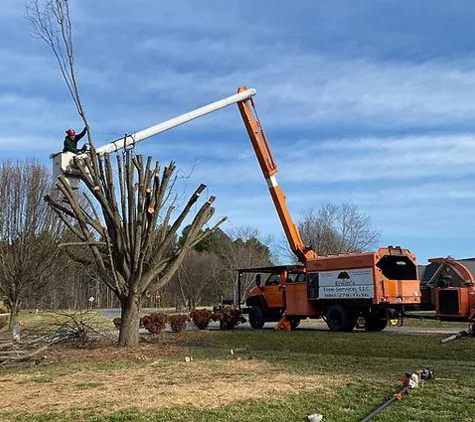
{"x":51,"y":320}
{"x":359,"y":370}
{"x":427,"y":319}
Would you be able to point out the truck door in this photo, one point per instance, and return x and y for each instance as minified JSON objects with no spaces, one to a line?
{"x":273,"y":292}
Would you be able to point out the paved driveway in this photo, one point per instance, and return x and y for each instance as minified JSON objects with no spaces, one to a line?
{"x":309,"y":325}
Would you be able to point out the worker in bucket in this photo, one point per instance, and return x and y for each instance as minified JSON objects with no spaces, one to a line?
{"x":71,"y":141}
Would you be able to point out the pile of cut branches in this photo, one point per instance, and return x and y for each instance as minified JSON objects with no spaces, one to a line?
{"x":30,"y":349}
{"x":14,"y":353}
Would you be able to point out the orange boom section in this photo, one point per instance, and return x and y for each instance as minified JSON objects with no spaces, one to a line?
{"x":269,"y":169}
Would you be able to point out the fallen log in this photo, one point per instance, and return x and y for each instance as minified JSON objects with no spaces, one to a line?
{"x":23,"y":357}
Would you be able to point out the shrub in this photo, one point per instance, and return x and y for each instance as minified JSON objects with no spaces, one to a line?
{"x":229,"y":317}
{"x":155,"y":323}
{"x":201,"y":318}
{"x":177,"y":322}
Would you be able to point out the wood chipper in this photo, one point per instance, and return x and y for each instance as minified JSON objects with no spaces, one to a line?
{"x":448,"y":287}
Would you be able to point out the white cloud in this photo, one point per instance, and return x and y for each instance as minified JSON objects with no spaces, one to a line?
{"x":304,"y":87}
{"x":150,"y":61}
{"x":392,"y":158}
{"x":325,"y":162}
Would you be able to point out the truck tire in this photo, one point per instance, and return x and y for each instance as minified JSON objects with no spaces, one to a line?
{"x":340,"y":318}
{"x":375,"y":322}
{"x":294,"y":323}
{"x":256,"y":317}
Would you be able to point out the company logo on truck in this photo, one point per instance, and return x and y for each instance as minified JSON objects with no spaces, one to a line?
{"x":348,"y":284}
{"x":343,"y":279}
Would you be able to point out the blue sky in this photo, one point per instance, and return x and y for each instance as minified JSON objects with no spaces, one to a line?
{"x":370,"y":103}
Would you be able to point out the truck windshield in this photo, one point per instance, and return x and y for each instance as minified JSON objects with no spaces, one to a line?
{"x":273,"y":280}
{"x":296,"y":277}
{"x":397,"y":267}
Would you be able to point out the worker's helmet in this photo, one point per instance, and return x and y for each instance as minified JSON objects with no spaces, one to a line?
{"x":70,"y":132}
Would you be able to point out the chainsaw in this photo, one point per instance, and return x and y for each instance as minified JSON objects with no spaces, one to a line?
{"x":410,"y":381}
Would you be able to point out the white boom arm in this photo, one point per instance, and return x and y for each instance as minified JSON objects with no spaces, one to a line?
{"x":63,"y":162}
{"x":174,"y":122}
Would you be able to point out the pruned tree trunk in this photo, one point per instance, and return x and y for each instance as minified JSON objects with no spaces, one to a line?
{"x":130,"y":321}
{"x":15,"y":306}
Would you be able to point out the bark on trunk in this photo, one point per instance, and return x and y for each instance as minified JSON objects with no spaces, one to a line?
{"x":14,"y":311}
{"x":130,"y":321}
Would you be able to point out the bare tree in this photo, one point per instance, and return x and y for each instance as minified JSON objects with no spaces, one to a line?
{"x":199,"y":278}
{"x":337,"y":229}
{"x":28,"y":234}
{"x":132,"y":239}
{"x":244,"y":250}
{"x":51,"y":22}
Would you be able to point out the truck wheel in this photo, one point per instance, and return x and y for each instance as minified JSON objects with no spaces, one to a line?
{"x":340,"y":318}
{"x":256,"y":317}
{"x":375,"y":322}
{"x":294,"y":323}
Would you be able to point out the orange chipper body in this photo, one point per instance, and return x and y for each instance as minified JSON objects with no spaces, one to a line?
{"x":340,"y":288}
{"x":454,"y":291}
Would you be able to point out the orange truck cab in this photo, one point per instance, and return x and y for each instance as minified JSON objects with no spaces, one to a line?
{"x":338,"y":288}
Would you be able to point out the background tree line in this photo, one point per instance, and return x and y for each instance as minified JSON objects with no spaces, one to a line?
{"x":36,"y":273}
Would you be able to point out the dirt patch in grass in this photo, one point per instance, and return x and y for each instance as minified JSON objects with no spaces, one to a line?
{"x":158,"y":385}
{"x":111,"y":353}
{"x":152,"y":347}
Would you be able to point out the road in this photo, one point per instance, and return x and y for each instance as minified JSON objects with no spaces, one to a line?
{"x":309,"y":325}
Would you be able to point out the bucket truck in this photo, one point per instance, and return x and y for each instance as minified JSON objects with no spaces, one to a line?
{"x":338,"y":288}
